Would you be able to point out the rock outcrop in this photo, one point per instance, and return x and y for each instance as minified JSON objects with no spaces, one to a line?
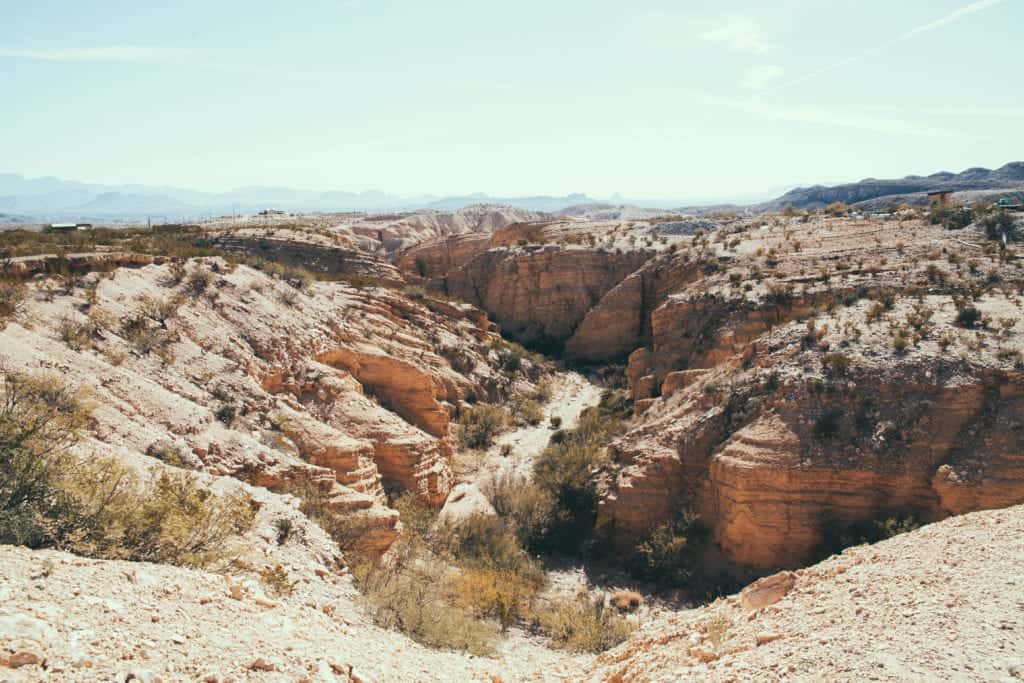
{"x":936,"y":603}
{"x":785,"y":408}
{"x":320,"y":251}
{"x":332,"y":389}
{"x":540,"y":294}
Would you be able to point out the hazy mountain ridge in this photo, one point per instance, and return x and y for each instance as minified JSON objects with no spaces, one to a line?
{"x":1009,"y":176}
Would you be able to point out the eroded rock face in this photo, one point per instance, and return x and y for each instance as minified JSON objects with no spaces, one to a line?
{"x":436,"y":257}
{"x":540,"y":294}
{"x":786,"y":406}
{"x":332,"y":389}
{"x":331,"y":255}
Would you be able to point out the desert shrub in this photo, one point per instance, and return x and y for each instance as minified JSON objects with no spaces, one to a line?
{"x":626,"y":601}
{"x":836,"y":363}
{"x":277,"y":581}
{"x":502,"y":594}
{"x":826,"y":426}
{"x":110,"y":512}
{"x":489,"y":542}
{"x":837,"y":535}
{"x":40,"y":421}
{"x":289,"y":297}
{"x":582,"y":624}
{"x":159,"y":311}
{"x":76,"y":334}
{"x":284,"y":527}
{"x":198,"y":280}
{"x":12,"y":298}
{"x":529,"y":508}
{"x":968,"y":316}
{"x":566,"y":469}
{"x":999,"y":225}
{"x":226,"y":413}
{"x":145,"y":338}
{"x":479,"y":424}
{"x":510,"y":360}
{"x":543,"y":391}
{"x":668,"y":554}
{"x":176,"y":273}
{"x":525,"y":410}
{"x":555,"y":422}
{"x":98,"y":507}
{"x":958,"y":219}
{"x":409,"y":597}
{"x":837,"y":209}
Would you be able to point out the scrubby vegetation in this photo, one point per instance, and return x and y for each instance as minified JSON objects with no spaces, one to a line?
{"x":669,"y":553}
{"x":479,"y":424}
{"x":836,"y":535}
{"x":98,"y":506}
{"x":583,"y":624}
{"x":565,"y":472}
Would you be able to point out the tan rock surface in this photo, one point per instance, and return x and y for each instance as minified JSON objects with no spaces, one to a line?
{"x":940,"y":603}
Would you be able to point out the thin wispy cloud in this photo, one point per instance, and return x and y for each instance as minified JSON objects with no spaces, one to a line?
{"x":951,"y":18}
{"x":109,"y":53}
{"x":760,"y":76}
{"x":740,"y":33}
{"x":154,"y":56}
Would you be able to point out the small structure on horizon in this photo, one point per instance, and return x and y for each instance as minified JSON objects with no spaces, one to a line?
{"x":942,"y":198}
{"x":67,"y":227}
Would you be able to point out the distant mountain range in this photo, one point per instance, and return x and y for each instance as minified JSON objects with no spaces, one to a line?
{"x":55,"y":199}
{"x":874,"y":193}
{"x":51,"y":199}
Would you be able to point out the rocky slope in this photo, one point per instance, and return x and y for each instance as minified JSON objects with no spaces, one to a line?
{"x":822,"y":389}
{"x":941,"y":603}
{"x":348,"y":390}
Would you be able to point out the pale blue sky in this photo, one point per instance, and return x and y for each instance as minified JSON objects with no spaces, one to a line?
{"x":684,"y":99}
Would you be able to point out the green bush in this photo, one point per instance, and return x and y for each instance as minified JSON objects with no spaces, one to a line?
{"x":40,"y":421}
{"x":968,"y":317}
{"x":479,"y":424}
{"x":566,"y":470}
{"x":489,"y":542}
{"x":526,"y":411}
{"x":670,"y":551}
{"x":827,"y":425}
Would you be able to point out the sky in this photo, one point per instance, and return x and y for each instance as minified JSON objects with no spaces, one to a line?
{"x":648,"y":98}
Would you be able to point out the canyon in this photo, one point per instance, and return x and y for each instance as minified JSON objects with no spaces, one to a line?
{"x":786,"y":376}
